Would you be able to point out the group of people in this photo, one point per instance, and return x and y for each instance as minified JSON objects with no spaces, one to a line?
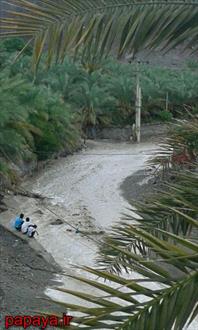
{"x":25,"y":226}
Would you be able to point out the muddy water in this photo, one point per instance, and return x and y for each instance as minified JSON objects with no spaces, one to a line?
{"x":88,"y":182}
{"x":85,"y":188}
{"x":84,"y":192}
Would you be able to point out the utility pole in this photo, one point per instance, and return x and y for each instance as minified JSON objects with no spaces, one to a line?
{"x":138,"y":105}
{"x":167,"y":101}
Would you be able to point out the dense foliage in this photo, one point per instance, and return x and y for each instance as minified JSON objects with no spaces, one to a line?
{"x":47,"y":113}
{"x":34,"y":120}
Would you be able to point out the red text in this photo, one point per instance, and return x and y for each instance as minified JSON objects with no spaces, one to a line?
{"x":41,"y":322}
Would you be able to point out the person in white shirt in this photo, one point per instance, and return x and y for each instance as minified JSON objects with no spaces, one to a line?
{"x":32,"y":231}
{"x":25,"y":225}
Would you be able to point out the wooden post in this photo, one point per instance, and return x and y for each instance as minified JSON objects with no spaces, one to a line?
{"x":138,"y":105}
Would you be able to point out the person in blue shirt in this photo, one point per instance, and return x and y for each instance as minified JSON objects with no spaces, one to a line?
{"x":19,"y":221}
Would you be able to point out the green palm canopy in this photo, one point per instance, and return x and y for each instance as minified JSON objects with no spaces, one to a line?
{"x":98,"y":26}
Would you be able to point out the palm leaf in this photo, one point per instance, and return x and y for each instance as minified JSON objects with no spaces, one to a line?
{"x":99,"y":26}
{"x":161,"y":313}
{"x":167,"y":306}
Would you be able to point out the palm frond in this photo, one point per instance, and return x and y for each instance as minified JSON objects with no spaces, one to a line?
{"x":162,"y":313}
{"x":180,"y":148}
{"x":167,"y":215}
{"x":99,"y":26}
{"x":135,"y":303}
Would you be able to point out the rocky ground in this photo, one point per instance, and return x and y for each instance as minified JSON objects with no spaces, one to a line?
{"x":23,"y":277}
{"x":139,"y":186}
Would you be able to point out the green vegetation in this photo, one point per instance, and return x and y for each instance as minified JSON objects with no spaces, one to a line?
{"x":34,"y":120}
{"x":47,"y":114}
{"x":161,"y":248}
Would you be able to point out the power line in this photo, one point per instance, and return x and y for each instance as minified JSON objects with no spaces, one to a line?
{"x":28,"y":193}
{"x":73,"y":227}
{"x":101,"y":154}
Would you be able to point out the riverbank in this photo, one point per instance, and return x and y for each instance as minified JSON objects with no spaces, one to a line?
{"x":24,"y":276}
{"x":140,"y":186}
{"x":82,"y":191}
{"x":24,"y":169}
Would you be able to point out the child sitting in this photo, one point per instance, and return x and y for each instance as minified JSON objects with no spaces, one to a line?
{"x":18,"y":222}
{"x":32,"y":231}
{"x":25,"y":225}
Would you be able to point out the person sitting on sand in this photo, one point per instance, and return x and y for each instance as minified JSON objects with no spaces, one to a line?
{"x":32,"y":231}
{"x":18,"y":222}
{"x":25,"y":225}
